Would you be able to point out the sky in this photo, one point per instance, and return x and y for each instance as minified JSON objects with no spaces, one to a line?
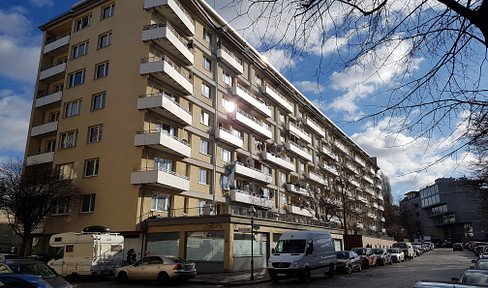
{"x":341,"y":94}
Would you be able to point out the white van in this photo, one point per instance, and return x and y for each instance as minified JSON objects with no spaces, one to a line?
{"x":407,"y":249}
{"x":87,"y":253}
{"x":301,"y":254}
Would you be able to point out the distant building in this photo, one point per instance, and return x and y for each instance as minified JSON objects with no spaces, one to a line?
{"x":447,"y":209}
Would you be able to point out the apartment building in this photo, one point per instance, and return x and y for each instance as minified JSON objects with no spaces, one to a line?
{"x":179,"y":135}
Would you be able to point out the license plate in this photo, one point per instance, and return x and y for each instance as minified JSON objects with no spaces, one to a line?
{"x":281,"y":275}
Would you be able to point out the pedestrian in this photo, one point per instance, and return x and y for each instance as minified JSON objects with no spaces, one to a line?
{"x":131,"y":256}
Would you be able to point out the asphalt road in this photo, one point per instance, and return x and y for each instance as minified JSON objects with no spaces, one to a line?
{"x":438,"y":265}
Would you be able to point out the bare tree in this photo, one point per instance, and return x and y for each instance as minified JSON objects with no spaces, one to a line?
{"x":440,"y":45}
{"x":28,"y":195}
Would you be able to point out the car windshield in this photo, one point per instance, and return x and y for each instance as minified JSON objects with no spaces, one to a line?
{"x":472,"y":277}
{"x":290,"y":246}
{"x":33,"y":268}
{"x":342,"y":255}
{"x":360,"y":251}
{"x":378,"y":251}
{"x":483,"y":265}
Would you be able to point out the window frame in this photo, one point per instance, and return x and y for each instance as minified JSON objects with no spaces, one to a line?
{"x":72,"y":108}
{"x":205,"y":118}
{"x":104,"y":43}
{"x":72,"y":78}
{"x":60,"y":212}
{"x":166,"y":202}
{"x":80,"y":25}
{"x":207,"y":63}
{"x":78,"y":52}
{"x":204,"y":147}
{"x":207,"y":36}
{"x":95,"y":138}
{"x":95,"y":162}
{"x":101,"y":70}
{"x":65,"y":142}
{"x":225,"y":155}
{"x":103,"y":98}
{"x":227,"y":78}
{"x":206,"y":90}
{"x":91,"y":203}
{"x":203,"y":175}
{"x":111,"y":11}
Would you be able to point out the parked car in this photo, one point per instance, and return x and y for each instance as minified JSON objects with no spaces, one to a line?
{"x":407,"y":249}
{"x":157,"y":268}
{"x":431,"y":284}
{"x":367,"y":256}
{"x":481,"y":264}
{"x":457,"y":247}
{"x":22,"y":280}
{"x":348,"y":261}
{"x":473,"y":276}
{"x":48,"y":277}
{"x":397,"y":255}
{"x":383,"y":257}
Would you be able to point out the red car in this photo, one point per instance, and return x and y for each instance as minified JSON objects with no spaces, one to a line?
{"x":457,"y":247}
{"x":367,"y":256}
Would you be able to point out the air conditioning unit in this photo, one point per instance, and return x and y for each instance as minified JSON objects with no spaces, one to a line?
{"x":249,"y":162}
{"x":278,"y":149}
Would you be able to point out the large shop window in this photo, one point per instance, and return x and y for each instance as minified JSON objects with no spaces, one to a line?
{"x":205,"y":246}
{"x":164,"y":243}
{"x":242,"y":251}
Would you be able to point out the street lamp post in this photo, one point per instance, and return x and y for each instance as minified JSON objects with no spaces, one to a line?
{"x":252,"y":211}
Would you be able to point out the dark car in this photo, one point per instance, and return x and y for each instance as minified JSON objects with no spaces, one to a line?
{"x":457,"y":247}
{"x":432,"y":284}
{"x":474,"y":277}
{"x":348,"y":261}
{"x":367,"y":256}
{"x":32,"y":267}
{"x":481,"y":264}
{"x":383,"y":257}
{"x":22,"y":280}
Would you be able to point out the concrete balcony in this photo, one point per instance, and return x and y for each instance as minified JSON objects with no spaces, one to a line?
{"x":249,"y":121}
{"x":329,"y":168}
{"x":328,"y":151}
{"x":360,"y":161}
{"x":49,"y":99}
{"x":57,"y":45}
{"x":381,"y":208}
{"x":378,"y":185}
{"x":292,"y":128}
{"x":375,"y":205}
{"x":333,"y":201}
{"x":41,"y":158}
{"x":165,"y":70}
{"x":164,"y":142}
{"x":54,"y":73}
{"x":228,"y":137}
{"x":268,"y":90}
{"x":249,"y":98}
{"x":168,"y":38}
{"x":44,"y":129}
{"x":315,"y":177}
{"x":380,"y":196}
{"x":315,"y":127}
{"x":297,"y":150}
{"x":372,"y":215}
{"x":369,"y":191}
{"x":382,"y":219}
{"x":250,"y":172}
{"x":163,"y":178}
{"x":368,"y":179}
{"x":166,"y":106}
{"x":246,"y":197}
{"x":301,"y":211}
{"x":174,"y":12}
{"x":355,"y":183}
{"x":362,"y":199}
{"x":294,"y":188}
{"x":283,"y":163}
{"x":230,"y":59}
{"x":341,"y":147}
{"x":373,"y":228}
{"x":360,"y":226}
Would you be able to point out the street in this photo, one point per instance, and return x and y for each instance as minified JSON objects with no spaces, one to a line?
{"x":440,"y":264}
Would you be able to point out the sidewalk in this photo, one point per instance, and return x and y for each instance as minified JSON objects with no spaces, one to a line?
{"x":232,"y":278}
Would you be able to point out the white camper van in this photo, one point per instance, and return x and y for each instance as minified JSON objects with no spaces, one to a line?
{"x":302,"y":254}
{"x":407,"y":249}
{"x":87,"y":253}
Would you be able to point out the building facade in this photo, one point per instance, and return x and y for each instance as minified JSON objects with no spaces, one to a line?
{"x":179,"y":135}
{"x":448,"y":209}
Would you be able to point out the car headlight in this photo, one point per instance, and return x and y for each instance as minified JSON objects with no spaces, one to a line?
{"x":295,"y":263}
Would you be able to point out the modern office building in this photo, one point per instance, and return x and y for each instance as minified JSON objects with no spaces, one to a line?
{"x":179,"y":136}
{"x":447,"y":209}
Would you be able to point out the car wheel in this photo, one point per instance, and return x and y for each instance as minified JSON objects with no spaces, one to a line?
{"x":122,"y":278}
{"x":349,"y":269}
{"x":306,"y":275}
{"x":360,"y":268}
{"x":163,"y":278}
{"x":331,"y":271}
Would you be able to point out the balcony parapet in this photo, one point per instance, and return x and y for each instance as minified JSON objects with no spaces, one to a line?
{"x":165,"y":178}
{"x":315,"y":127}
{"x":162,"y":140}
{"x":176,"y":12}
{"x":230,"y":59}
{"x":252,"y":172}
{"x":229,"y":137}
{"x":44,"y":128}
{"x":270,"y":91}
{"x":248,"y":96}
{"x":314,"y":177}
{"x":252,"y":123}
{"x":166,"y":105}
{"x":57,"y":42}
{"x":294,"y":148}
{"x":299,"y":133}
{"x":40,"y":158}
{"x":46,"y":98}
{"x":53,"y":71}
{"x":290,"y":187}
{"x":301,"y":211}
{"x":164,"y":64}
{"x":283,"y":163}
{"x":246,"y":197}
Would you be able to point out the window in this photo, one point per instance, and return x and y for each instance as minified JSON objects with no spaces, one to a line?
{"x":98,"y":101}
{"x":60,"y":209}
{"x":83,"y":22}
{"x":226,"y":155}
{"x":91,"y":167}
{"x":104,"y":40}
{"x":54,"y":116}
{"x":283,"y":198}
{"x":65,"y":171}
{"x":205,"y":118}
{"x":108,"y":11}
{"x":205,"y":90}
{"x":302,"y":166}
{"x":95,"y":134}
{"x":228,"y":105}
{"x":68,"y":139}
{"x":160,"y":202}
{"x":224,"y":182}
{"x":72,"y":108}
{"x":76,"y":78}
{"x":259,"y":145}
{"x":227,"y":78}
{"x":203,"y":176}
{"x":80,"y":50}
{"x":236,"y":133}
{"x":282,"y":118}
{"x":283,"y":178}
{"x":203,"y":147}
{"x":207,"y":36}
{"x":58,"y":87}
{"x":267,"y":170}
{"x":259,"y":81}
{"x":88,"y":203}
{"x":207,"y":63}
{"x":50,"y":146}
{"x":163,"y":164}
{"x":101,"y":70}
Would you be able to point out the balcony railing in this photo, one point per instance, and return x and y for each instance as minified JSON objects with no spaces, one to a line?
{"x":248,"y":198}
{"x":252,"y":123}
{"x":46,"y":98}
{"x":252,"y":172}
{"x":40,"y":158}
{"x":229,"y":137}
{"x":163,"y":141}
{"x":165,"y":66}
{"x":294,"y":148}
{"x":230,"y":59}
{"x":298,"y":132}
{"x":247,"y":96}
{"x":270,"y":91}
{"x":173,"y":40}
{"x":165,"y":178}
{"x":283,"y":163}
{"x":176,"y":14}
{"x":167,"y":106}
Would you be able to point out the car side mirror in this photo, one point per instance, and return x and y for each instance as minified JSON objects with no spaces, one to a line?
{"x":273,"y":250}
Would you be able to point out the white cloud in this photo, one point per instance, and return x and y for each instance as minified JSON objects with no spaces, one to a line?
{"x":280,"y":59}
{"x":309,"y":86}
{"x":14,"y":120}
{"x":40,"y":3}
{"x":14,"y":24}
